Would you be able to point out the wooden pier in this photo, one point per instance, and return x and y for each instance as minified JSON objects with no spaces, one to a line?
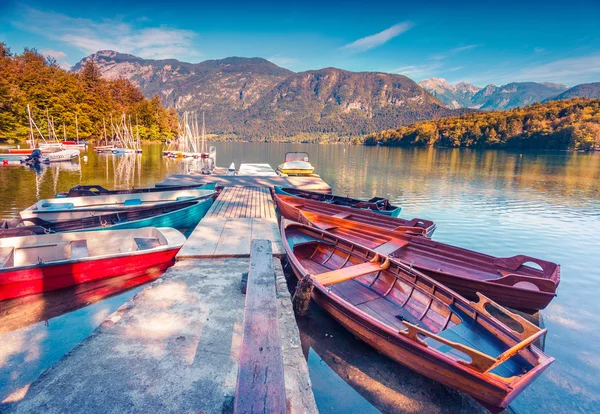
{"x":189,"y":342}
{"x":238,"y":216}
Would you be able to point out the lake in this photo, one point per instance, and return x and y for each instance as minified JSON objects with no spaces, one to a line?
{"x":542,"y":204}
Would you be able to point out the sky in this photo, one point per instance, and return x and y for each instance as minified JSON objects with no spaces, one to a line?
{"x":480,"y":42}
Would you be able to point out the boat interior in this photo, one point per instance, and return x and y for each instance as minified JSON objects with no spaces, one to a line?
{"x":428,"y":255}
{"x":366,"y":217}
{"x":32,"y":250}
{"x":393,"y":296}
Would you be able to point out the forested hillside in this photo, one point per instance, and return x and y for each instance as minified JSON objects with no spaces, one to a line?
{"x":31,"y":79}
{"x":567,"y":124}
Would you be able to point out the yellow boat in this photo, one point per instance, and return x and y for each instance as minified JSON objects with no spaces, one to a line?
{"x":296,"y":163}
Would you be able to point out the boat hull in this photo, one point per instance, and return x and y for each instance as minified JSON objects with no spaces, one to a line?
{"x":368,"y":205}
{"x":20,"y":151}
{"x":46,"y":277}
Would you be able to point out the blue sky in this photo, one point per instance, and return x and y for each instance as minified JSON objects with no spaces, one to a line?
{"x":480,"y":42}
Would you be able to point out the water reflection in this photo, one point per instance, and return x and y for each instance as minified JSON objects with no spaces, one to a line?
{"x":544,"y":204}
{"x":37,"y":330}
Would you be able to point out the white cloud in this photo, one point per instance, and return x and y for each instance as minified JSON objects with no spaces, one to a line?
{"x":452,"y":52}
{"x":90,"y":36}
{"x":571,"y":70}
{"x":58,"y":56}
{"x":419,"y":71}
{"x":283,"y":60}
{"x":377,"y":39}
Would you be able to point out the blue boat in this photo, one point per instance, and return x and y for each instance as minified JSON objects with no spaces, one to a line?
{"x":376,"y":204}
{"x":181,"y":215}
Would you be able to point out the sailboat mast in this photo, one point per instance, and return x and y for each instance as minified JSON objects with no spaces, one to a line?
{"x":31,"y":136}
{"x":203,"y":150}
{"x":76,"y":128}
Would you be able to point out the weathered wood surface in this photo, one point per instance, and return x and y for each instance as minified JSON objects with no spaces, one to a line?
{"x":302,"y":183}
{"x":256,"y":170}
{"x":260,"y":383}
{"x":238,"y":216}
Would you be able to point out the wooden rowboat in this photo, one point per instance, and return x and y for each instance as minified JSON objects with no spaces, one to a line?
{"x":375,"y":204}
{"x":62,"y":209}
{"x":478,"y":348}
{"x":293,"y":207}
{"x":507,"y":281}
{"x":35,"y":264}
{"x":179,"y":215}
{"x":95,"y":190}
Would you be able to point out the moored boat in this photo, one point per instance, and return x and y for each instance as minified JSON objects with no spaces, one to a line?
{"x":61,"y":209}
{"x":296,"y":163}
{"x":376,"y":204}
{"x":61,"y":156}
{"x":40,"y":263}
{"x":478,"y":348}
{"x":179,"y":215}
{"x":291,"y":208}
{"x":507,"y":281}
{"x":95,"y":190}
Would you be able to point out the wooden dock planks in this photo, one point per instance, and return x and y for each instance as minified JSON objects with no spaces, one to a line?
{"x":260,"y":383}
{"x":238,"y":216}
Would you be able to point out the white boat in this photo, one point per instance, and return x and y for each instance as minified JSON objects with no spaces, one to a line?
{"x":296,"y":163}
{"x":50,"y":146}
{"x":59,"y":156}
{"x":60,"y":209}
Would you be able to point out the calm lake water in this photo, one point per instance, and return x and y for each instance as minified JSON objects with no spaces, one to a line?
{"x":502,"y":203}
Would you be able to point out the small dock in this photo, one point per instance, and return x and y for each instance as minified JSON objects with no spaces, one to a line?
{"x":197,"y":340}
{"x":238,"y":216}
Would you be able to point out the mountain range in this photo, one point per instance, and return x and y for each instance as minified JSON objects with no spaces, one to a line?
{"x":254,"y":98}
{"x":512,"y":95}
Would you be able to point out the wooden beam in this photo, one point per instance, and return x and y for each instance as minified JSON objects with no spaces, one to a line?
{"x":260,"y":383}
{"x":346,"y":273}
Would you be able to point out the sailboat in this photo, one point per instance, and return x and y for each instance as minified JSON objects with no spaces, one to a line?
{"x":77,"y":144}
{"x":106,"y":147}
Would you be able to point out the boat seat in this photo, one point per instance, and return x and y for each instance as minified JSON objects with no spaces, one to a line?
{"x":341,"y":215}
{"x":79,"y":249}
{"x":29,"y":255}
{"x":347,"y":273}
{"x":58,"y":206}
{"x":7,"y":257}
{"x":146,"y":243}
{"x":132,"y":202}
{"x":390,"y":246}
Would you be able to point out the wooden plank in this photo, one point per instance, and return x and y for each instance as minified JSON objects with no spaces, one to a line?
{"x":272,"y":213}
{"x":235,"y":202}
{"x":346,"y":273}
{"x":204,"y":239}
{"x":235,"y":238}
{"x":301,"y":183}
{"x":268,"y":229}
{"x":260,"y":384}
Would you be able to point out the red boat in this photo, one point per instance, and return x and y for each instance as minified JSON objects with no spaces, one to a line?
{"x":292,"y":207}
{"x":20,"y":151}
{"x":507,"y":281}
{"x":41,"y":263}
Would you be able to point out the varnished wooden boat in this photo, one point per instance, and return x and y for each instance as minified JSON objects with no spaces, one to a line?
{"x":375,"y":204}
{"x":293,"y":207}
{"x":35,"y":264}
{"x":507,"y":281}
{"x":179,"y":215}
{"x":478,"y":348}
{"x":96,"y":190}
{"x":62,"y":209}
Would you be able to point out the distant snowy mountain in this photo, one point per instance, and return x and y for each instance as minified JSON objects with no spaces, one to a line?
{"x":491,"y":97}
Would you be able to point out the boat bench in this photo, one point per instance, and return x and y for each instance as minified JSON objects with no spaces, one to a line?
{"x":347,"y":273}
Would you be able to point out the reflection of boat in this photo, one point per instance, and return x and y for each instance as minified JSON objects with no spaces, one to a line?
{"x":181,"y":215}
{"x":296,"y":163}
{"x":95,"y":190}
{"x":507,"y":281}
{"x":291,"y":208}
{"x":34,"y":264}
{"x":60,"y":209}
{"x":478,"y":348}
{"x":376,"y":204}
{"x":27,"y":310}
